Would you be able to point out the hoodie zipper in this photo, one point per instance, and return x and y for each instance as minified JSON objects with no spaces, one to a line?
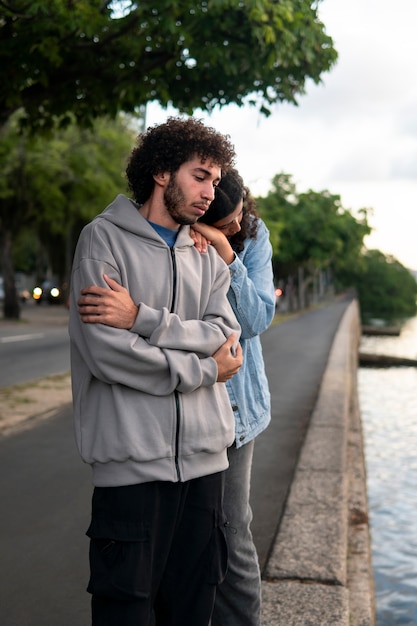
{"x":176,"y":394}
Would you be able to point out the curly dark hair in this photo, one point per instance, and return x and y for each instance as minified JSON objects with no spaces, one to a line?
{"x":229,"y":192}
{"x":165,"y":147}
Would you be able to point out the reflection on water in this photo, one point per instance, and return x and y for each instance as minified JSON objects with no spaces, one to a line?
{"x":388,"y":400}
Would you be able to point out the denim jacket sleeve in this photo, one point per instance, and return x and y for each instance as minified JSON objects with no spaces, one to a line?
{"x":251,"y":292}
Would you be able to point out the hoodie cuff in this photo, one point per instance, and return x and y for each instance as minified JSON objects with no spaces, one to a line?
{"x":146,"y":321}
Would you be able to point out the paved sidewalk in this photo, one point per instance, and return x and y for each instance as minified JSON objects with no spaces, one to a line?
{"x":296,"y":354}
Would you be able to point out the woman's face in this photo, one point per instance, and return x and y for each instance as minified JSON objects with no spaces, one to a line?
{"x":230,"y":225}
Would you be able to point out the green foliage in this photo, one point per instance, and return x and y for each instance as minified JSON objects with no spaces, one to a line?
{"x":311,"y":230}
{"x":51,"y":186}
{"x":98,"y":57}
{"x":386,"y":289}
{"x":66,"y":61}
{"x":26,"y":252}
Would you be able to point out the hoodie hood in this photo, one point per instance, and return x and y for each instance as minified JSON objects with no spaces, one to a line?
{"x":124,"y":213}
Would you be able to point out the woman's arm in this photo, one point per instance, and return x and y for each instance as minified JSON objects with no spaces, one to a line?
{"x":203,"y":232}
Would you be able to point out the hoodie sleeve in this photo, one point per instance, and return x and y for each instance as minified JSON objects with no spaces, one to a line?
{"x":118,"y":356}
{"x":163,"y":354}
{"x":203,"y":337}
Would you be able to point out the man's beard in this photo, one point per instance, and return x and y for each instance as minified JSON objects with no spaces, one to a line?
{"x":174,"y":200}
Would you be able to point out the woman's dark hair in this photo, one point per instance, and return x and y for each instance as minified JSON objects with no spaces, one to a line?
{"x":165,"y":147}
{"x":229,"y":192}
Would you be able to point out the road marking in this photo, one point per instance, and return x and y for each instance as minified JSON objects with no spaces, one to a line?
{"x":14,"y":338}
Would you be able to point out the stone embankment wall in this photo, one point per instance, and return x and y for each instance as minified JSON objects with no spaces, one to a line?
{"x":320,"y":570}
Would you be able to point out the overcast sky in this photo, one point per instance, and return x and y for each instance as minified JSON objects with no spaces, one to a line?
{"x":355,"y":134}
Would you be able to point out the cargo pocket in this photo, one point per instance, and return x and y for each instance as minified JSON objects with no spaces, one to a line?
{"x":120,"y":562}
{"x":218,"y":553}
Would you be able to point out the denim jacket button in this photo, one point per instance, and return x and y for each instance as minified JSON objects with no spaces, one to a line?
{"x":234,"y":407}
{"x":242,"y":437}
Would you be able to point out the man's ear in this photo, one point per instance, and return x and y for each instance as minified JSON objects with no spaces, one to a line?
{"x":162,"y":178}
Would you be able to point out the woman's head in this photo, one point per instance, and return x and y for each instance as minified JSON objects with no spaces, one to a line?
{"x":233,"y":210}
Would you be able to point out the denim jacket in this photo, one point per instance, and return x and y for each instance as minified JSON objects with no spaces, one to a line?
{"x":252,"y":297}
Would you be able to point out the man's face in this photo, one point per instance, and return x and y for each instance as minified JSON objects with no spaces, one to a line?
{"x":190,"y":190}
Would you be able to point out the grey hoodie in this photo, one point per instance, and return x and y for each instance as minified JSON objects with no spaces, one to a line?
{"x":146,"y":402}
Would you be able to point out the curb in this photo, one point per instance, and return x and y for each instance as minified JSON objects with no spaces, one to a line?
{"x":320,"y":571}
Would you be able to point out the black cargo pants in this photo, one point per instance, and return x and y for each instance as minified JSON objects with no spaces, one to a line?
{"x":157,"y":552}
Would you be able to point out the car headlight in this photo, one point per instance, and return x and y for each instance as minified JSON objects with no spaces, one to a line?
{"x":54,"y":292}
{"x":37,"y":293}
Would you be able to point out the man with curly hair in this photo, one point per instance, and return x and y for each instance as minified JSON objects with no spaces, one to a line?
{"x":152,"y":415}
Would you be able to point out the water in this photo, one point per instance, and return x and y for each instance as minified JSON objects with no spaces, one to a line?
{"x":388,"y":400}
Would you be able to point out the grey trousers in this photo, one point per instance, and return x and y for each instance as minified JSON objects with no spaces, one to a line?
{"x":238,"y":598}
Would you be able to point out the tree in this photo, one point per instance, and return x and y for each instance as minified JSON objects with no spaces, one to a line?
{"x":98,"y":57}
{"x":386,"y":289}
{"x":312,"y":232}
{"x":315,"y":233}
{"x":53,"y":185}
{"x":81,"y":59}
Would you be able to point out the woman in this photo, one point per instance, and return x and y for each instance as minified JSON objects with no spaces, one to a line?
{"x":233,"y":226}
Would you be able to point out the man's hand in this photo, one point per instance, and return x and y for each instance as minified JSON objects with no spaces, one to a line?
{"x":112,"y":307}
{"x":227,"y":363}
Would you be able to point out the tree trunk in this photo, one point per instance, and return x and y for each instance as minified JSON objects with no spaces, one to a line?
{"x":11,"y":306}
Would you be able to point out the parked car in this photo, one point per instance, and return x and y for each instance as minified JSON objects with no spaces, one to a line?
{"x":48,"y":291}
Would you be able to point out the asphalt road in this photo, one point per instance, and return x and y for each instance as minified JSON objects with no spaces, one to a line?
{"x":35,"y":347}
{"x":45,"y":495}
{"x":45,"y":489}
